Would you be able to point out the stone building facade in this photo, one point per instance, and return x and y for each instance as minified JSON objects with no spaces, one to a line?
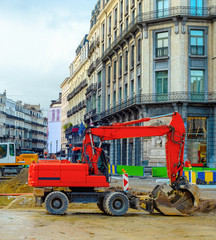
{"x":23,"y":124}
{"x":149,"y":58}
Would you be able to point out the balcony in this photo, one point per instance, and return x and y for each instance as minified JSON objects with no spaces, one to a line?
{"x":92,"y":47}
{"x":91,"y":68}
{"x":90,"y":114}
{"x":171,"y":97}
{"x":98,"y":61}
{"x":154,"y":17}
{"x":76,"y":90}
{"x":197,"y":50}
{"x":91,"y":88}
{"x":76,"y":108}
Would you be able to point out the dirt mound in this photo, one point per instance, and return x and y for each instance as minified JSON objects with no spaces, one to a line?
{"x":206,"y":206}
{"x":22,"y":202}
{"x":18,"y":184}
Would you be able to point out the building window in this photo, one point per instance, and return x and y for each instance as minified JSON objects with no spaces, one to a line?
{"x":103,"y":48}
{"x":114,"y":98}
{"x":88,"y":105}
{"x":139,"y":50}
{"x":132,"y":88}
{"x":120,"y":94}
{"x":120,"y":66}
{"x":53,"y":115}
{"x":162,"y":44}
{"x":116,"y":15}
{"x":196,"y":7}
{"x":140,"y":8}
{"x":93,"y":102}
{"x":99,"y":104}
{"x":108,"y":101}
{"x":103,"y":31}
{"x":139,"y":85}
{"x":114,"y":70}
{"x":99,"y":80}
{"x":110,"y":24}
{"x":121,"y":10}
{"x":161,"y":85}
{"x":56,"y":146}
{"x":133,"y":16}
{"x":197,"y":42}
{"x":121,"y":28}
{"x":197,"y":139}
{"x":109,"y":75}
{"x":126,"y":92}
{"x":126,"y":6}
{"x":126,"y":61}
{"x":109,"y":42}
{"x":162,"y":8}
{"x":197,"y":81}
{"x":115,"y":35}
{"x":132,"y":57}
{"x":58,"y":115}
{"x":126,"y":23}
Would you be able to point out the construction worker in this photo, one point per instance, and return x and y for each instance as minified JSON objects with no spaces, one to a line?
{"x":188,"y":164}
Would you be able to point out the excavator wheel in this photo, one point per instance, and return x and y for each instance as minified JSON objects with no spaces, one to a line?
{"x":56,"y":203}
{"x":175,"y":202}
{"x":116,"y":204}
{"x":100,"y":205}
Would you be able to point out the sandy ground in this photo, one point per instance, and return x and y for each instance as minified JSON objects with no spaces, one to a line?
{"x":87,"y":222}
{"x":91,"y":224}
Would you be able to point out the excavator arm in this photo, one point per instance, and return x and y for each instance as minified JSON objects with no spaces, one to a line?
{"x":175,"y":132}
{"x":183,"y":196}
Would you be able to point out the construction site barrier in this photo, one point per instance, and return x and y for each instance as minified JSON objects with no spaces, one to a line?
{"x":208,"y":177}
{"x":112,"y":169}
{"x":131,"y":170}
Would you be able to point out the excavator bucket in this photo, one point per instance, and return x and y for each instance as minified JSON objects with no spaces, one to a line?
{"x":175,"y":202}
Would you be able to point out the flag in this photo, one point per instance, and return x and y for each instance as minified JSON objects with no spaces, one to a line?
{"x":81,"y":129}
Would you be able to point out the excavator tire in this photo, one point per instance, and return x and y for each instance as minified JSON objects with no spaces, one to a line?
{"x":100,"y":205}
{"x":116,"y":204}
{"x":56,"y":203}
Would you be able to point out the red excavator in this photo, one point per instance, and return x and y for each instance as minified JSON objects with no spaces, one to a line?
{"x":87,"y":179}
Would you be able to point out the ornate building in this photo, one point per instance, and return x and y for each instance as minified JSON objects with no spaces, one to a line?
{"x":149,"y":58}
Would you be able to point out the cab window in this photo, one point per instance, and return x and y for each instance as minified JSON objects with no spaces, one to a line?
{"x":11,"y":149}
{"x":3,"y":151}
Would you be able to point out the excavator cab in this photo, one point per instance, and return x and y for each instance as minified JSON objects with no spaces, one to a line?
{"x":103,"y":165}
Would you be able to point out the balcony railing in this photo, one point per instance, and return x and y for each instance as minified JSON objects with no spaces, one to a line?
{"x":197,"y":50}
{"x":76,"y":108}
{"x":182,"y":11}
{"x":90,"y":114}
{"x":91,"y":68}
{"x":91,"y":88}
{"x":76,"y":90}
{"x":204,"y":97}
{"x":162,"y":52}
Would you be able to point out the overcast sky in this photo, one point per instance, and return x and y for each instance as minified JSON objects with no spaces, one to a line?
{"x":38,"y":39}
